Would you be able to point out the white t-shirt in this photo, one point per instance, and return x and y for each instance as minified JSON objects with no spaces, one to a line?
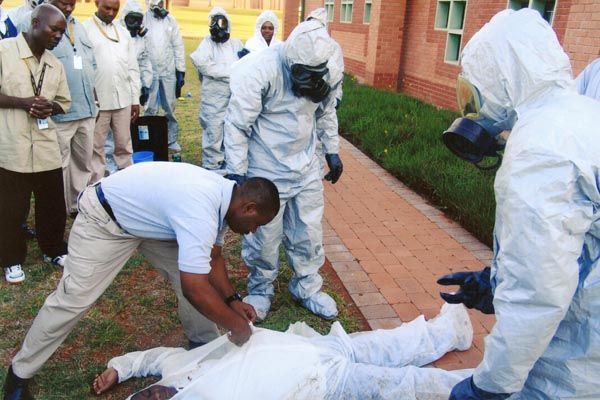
{"x":172,"y":201}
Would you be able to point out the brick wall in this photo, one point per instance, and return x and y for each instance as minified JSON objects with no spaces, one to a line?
{"x":401,"y":49}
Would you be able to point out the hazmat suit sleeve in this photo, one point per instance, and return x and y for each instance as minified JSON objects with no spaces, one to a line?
{"x":248,"y":86}
{"x":143,"y":363}
{"x":146,"y":72}
{"x":541,"y":219}
{"x":203,"y":60}
{"x":178,"y":49}
{"x":134,"y":71}
{"x":327,"y":124}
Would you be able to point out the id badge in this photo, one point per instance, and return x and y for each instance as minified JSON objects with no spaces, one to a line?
{"x":77,"y":62}
{"x":42,"y":123}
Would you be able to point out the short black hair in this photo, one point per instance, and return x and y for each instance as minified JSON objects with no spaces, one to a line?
{"x":263,"y":192}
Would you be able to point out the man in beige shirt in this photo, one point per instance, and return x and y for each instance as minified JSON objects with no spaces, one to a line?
{"x":33,"y":87}
{"x":117,"y":85}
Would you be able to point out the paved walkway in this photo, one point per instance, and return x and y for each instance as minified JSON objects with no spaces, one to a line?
{"x":389,"y":246}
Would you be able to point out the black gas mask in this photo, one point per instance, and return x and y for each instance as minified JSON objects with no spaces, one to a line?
{"x":308,"y":81}
{"x":159,"y":10}
{"x":219,"y":29}
{"x":133,"y":22}
{"x":474,"y":137}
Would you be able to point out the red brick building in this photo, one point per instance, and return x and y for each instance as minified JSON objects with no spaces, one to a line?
{"x":413,"y":45}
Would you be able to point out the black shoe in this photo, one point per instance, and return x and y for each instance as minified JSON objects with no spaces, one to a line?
{"x":192,"y":345}
{"x":30,"y":233}
{"x":16,"y":388}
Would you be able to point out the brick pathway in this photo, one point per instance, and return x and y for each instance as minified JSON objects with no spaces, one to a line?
{"x":388,"y":246}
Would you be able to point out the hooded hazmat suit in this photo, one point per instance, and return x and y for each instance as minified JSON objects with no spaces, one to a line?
{"x":141,"y":45}
{"x":167,"y":54}
{"x":382,"y":364}
{"x":588,"y":81}
{"x":546,"y":340}
{"x":258,"y":42}
{"x":214,"y":61}
{"x":271,"y":132}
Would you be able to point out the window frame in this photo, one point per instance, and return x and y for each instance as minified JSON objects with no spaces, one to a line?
{"x":344,"y":10}
{"x":370,"y":4}
{"x":534,"y":5}
{"x":330,"y":4}
{"x":446,"y":20}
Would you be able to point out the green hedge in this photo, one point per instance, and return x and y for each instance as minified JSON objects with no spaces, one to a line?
{"x":403,"y":135}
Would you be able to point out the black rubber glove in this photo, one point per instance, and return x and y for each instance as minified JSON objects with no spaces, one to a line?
{"x":144,"y":96}
{"x":475,"y":290}
{"x":239,"y":179}
{"x":334,"y":162}
{"x":243,"y":52}
{"x":179,"y":82}
{"x":466,"y":390}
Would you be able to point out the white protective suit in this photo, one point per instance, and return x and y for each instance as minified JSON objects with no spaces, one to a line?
{"x":167,"y":54}
{"x":272,"y":133}
{"x":141,"y":44}
{"x":546,"y":340}
{"x":214,"y":61}
{"x":257,"y":42}
{"x":588,"y":81}
{"x":301,"y":364}
{"x":18,"y":14}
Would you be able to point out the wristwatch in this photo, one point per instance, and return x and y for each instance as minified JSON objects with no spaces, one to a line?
{"x":232,"y":298}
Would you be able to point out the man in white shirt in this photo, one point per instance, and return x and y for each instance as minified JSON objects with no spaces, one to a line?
{"x":117,"y":85}
{"x":176,"y":215}
{"x":301,"y":364}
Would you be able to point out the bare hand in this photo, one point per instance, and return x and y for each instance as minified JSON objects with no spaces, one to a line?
{"x":38,"y":107}
{"x":245,"y":310}
{"x":135,"y":112}
{"x":241,"y":334}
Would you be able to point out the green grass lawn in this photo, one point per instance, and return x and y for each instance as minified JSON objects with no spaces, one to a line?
{"x":138,"y":311}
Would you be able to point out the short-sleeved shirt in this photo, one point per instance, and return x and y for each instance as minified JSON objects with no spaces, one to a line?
{"x":23,"y":146}
{"x":172,"y":201}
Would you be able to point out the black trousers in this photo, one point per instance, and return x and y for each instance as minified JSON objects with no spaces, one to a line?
{"x":50,"y":213}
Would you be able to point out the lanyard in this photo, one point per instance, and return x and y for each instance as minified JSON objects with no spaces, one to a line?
{"x":103,"y":32}
{"x":71,"y":34}
{"x":37,"y":88}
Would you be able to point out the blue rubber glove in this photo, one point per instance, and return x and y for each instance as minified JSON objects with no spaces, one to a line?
{"x":239,"y":179}
{"x":179,"y":82}
{"x":243,"y":52}
{"x":475,"y":290}
{"x":334,"y":162}
{"x":144,"y":96}
{"x":466,"y":390}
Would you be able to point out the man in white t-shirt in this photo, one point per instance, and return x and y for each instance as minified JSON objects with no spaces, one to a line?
{"x":176,"y":215}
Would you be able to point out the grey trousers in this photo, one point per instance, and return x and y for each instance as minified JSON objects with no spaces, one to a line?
{"x":98,"y":250}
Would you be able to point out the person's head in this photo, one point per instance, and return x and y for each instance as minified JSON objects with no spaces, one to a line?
{"x":510,"y":62}
{"x":319,"y":14}
{"x":66,"y":6}
{"x":307,"y":51}
{"x":34,"y":3}
{"x":107,"y":10}
{"x":155,"y":392}
{"x":132,"y":18}
{"x":255,"y":203}
{"x":48,"y":24}
{"x":267,"y":24}
{"x":158,"y":9}
{"x":219,"y":25}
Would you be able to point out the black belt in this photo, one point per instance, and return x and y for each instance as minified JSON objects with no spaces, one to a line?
{"x":104,"y":203}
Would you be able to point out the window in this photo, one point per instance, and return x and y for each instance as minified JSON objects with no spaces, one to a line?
{"x":544,"y":7}
{"x":367,"y":14}
{"x":450,"y":17}
{"x":329,"y":7}
{"x":346,"y":11}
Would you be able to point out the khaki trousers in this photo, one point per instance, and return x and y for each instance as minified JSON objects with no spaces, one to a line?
{"x":98,"y":249}
{"x":118,"y":121}
{"x":76,"y":141}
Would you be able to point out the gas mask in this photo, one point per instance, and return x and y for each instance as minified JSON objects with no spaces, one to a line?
{"x":478,"y":133}
{"x":34,"y":3}
{"x":308,"y":81}
{"x":219,"y":29}
{"x":159,"y":10}
{"x":133,"y":22}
